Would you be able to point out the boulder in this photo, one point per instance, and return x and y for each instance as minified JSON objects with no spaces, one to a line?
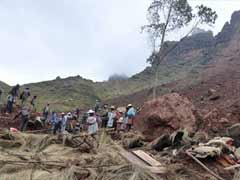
{"x":165,"y":115}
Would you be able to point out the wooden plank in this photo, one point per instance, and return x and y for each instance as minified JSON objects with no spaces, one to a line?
{"x":146,"y":158}
{"x":138,"y":162}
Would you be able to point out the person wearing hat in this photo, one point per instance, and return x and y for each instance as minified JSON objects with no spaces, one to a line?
{"x":92,"y":123}
{"x":131,"y":113}
{"x":120,"y":121}
{"x":111,"y":117}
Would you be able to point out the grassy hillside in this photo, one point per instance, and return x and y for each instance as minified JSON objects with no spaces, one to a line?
{"x":5,"y":88}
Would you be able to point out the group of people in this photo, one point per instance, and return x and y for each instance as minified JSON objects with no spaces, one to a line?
{"x":14,"y":94}
{"x":120,"y":119}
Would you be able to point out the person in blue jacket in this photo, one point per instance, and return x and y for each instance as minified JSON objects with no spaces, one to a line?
{"x":131,"y":113}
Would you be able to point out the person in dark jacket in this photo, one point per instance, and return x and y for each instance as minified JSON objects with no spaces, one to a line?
{"x":104,"y":116}
{"x":33,"y":103}
{"x":15,"y":91}
{"x":10,"y":101}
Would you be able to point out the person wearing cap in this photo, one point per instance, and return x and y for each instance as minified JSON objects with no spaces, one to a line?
{"x":92,"y":123}
{"x":131,"y":113}
{"x":111,"y":117}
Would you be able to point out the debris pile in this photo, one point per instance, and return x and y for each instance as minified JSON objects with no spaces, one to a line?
{"x":166,"y":115}
{"x":40,"y":157}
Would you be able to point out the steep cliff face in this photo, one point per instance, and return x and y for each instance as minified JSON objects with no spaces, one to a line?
{"x":229,"y":29}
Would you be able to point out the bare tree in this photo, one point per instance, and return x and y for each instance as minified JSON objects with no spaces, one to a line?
{"x":166,"y":16}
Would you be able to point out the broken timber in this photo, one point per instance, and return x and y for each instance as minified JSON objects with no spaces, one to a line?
{"x":135,"y":160}
{"x":203,"y":166}
{"x":146,"y":158}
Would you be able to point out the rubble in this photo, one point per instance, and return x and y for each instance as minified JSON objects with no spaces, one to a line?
{"x":166,"y":115}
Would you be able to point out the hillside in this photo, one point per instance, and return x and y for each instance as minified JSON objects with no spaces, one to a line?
{"x":220,"y":73}
{"x":197,"y":59}
{"x":4,"y":87}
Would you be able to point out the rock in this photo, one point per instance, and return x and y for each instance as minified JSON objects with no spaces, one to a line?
{"x":234,"y":130}
{"x":133,"y":143}
{"x":211,"y":92}
{"x":224,"y":120}
{"x":165,"y":115}
{"x":214,"y":97}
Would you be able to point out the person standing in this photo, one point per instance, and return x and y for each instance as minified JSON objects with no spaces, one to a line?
{"x":58,"y":125}
{"x":53,"y":120}
{"x":46,"y":111}
{"x":15,"y":92}
{"x":131,"y":113}
{"x":104,"y":116}
{"x":92,"y":123}
{"x":33,"y":103}
{"x":10,"y":101}
{"x":120,"y":122}
{"x":97,"y":106}
{"x":111,"y":117}
{"x":24,"y":96}
{"x":64,"y":122}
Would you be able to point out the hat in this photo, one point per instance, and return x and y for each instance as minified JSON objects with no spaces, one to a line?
{"x":129,"y":105}
{"x":91,"y":111}
{"x":62,"y":113}
{"x":112,"y":107}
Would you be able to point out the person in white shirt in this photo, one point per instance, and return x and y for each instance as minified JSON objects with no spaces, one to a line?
{"x":92,"y":123}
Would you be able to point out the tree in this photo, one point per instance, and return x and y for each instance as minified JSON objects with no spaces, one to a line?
{"x":166,"y":16}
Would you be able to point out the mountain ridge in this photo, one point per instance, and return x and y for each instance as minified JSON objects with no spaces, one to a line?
{"x":189,"y":60}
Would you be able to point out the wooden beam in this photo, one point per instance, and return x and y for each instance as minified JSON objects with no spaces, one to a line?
{"x":146,"y":158}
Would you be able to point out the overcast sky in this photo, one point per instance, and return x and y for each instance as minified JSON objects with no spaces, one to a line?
{"x":43,"y":39}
